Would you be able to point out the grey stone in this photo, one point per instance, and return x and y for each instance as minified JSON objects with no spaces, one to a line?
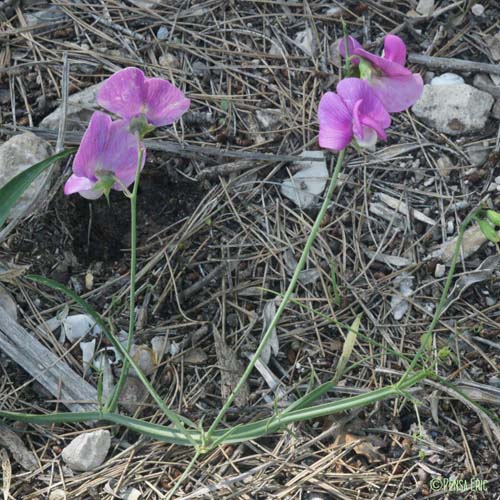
{"x":495,"y":112}
{"x":454,"y":109}
{"x":80,"y":108}
{"x":134,"y":393}
{"x":16,"y":155}
{"x":87,"y":451}
{"x":493,"y":43}
{"x":425,"y":7}
{"x":478,"y":153}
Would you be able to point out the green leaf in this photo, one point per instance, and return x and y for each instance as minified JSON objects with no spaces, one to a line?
{"x":488,"y":230}
{"x":178,"y":420}
{"x":493,"y":216}
{"x":347,"y":349}
{"x":12,"y":191}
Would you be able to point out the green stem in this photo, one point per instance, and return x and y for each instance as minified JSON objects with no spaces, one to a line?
{"x":444,"y":296}
{"x":183,"y":477}
{"x":133,"y":270}
{"x":235,"y":434}
{"x":286,"y":296}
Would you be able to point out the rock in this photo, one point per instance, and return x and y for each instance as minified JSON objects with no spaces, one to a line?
{"x":80,"y":107}
{"x":16,"y":155}
{"x":133,"y":394}
{"x":454,"y":109}
{"x":145,"y":359}
{"x":195,"y":356}
{"x":495,"y":112}
{"x":334,"y":11}
{"x":440,"y":270}
{"x":493,"y":42}
{"x":447,"y":79}
{"x":305,"y":186}
{"x":169,"y":61}
{"x":425,"y":7}
{"x":305,"y":40}
{"x":163,"y":32}
{"x":483,"y":82}
{"x":444,"y":166}
{"x":57,"y":494}
{"x":268,"y":118}
{"x":477,"y":9}
{"x":399,"y":304}
{"x":87,"y":451}
{"x":478,"y":153}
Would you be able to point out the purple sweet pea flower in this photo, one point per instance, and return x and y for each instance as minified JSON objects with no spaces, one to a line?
{"x":353,"y":112}
{"x":129,"y":94}
{"x":396,"y":86}
{"x":108,"y":152}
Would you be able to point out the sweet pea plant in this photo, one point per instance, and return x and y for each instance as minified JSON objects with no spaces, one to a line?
{"x":112,"y":156}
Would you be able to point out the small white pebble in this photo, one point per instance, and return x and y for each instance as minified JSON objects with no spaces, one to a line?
{"x":163,"y":33}
{"x":447,"y":79}
{"x":492,"y":187}
{"x":440,"y":270}
{"x":490,"y":301}
{"x":478,"y":9}
{"x":334,"y":11}
{"x":497,"y":179}
{"x":450,"y":227}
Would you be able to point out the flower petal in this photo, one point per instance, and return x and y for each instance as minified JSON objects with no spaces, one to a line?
{"x":335,"y":122}
{"x":386,"y":66}
{"x":124,"y":93}
{"x":93,"y":142}
{"x":165,"y":102}
{"x":367,"y":109}
{"x":394,"y":49}
{"x":352,"y":46}
{"x":121,"y":154}
{"x":81,"y":185}
{"x":398,"y":93}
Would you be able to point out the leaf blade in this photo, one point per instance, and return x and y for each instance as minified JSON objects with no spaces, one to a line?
{"x":11,"y":192}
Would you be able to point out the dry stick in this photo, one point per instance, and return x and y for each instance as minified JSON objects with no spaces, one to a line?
{"x":454,"y":64}
{"x":286,"y":298}
{"x":184,"y":150}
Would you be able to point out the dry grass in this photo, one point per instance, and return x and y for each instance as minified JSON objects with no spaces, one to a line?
{"x":225,"y":235}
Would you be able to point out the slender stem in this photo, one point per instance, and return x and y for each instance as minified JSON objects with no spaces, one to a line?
{"x":133,"y":269}
{"x":235,"y":434}
{"x":183,"y":477}
{"x":286,"y":296}
{"x":444,"y":297}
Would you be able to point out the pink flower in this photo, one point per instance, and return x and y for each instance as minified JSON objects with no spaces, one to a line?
{"x":107,"y":154}
{"x":396,"y":86}
{"x":353,"y":112}
{"x":129,"y":94}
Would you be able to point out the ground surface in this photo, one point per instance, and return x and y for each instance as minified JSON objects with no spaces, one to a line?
{"x":237,"y":60}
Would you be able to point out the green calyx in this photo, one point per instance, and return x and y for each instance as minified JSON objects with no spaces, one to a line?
{"x":140,"y":126}
{"x":488,"y":230}
{"x":493,"y":217}
{"x":107,"y":180}
{"x":366,"y":70}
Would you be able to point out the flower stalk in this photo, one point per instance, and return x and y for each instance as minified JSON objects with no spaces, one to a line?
{"x":286,"y":297}
{"x":133,"y":271}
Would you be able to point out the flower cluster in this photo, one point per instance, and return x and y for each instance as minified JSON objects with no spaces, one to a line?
{"x":359,"y":110}
{"x":109,"y":154}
